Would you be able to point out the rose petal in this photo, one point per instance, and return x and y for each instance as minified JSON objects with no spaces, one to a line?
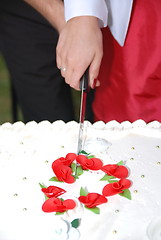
{"x":121,"y":172}
{"x":92,"y":163}
{"x":115,"y":170}
{"x":63,"y":173}
{"x":57,"y":205}
{"x":71,"y":157}
{"x":53,"y":191}
{"x":69,"y":204}
{"x":81,"y":159}
{"x":82,"y":199}
{"x":97,"y":164}
{"x":58,"y":162}
{"x":92,"y":200}
{"x":126,"y":183}
{"x":53,"y":205}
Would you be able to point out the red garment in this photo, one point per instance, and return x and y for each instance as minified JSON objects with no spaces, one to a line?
{"x":131,"y":75}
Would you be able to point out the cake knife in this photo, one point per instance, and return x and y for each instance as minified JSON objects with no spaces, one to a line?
{"x":84,"y":89}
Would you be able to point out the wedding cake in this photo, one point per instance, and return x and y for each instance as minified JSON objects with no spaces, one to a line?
{"x":121,"y":170}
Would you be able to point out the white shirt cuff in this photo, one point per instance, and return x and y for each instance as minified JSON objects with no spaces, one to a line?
{"x":114,"y":13}
{"x":97,"y":8}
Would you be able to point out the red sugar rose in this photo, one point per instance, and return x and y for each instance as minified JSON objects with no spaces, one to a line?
{"x":53,"y":191}
{"x":92,"y":200}
{"x":57,"y":205}
{"x":92,"y":163}
{"x":70,"y":157}
{"x":115,"y":170}
{"x":116,"y":187}
{"x":63,"y":173}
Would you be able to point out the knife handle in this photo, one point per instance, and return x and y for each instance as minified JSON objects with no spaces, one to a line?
{"x":84,"y":81}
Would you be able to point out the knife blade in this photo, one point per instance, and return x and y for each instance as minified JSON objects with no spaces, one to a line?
{"x":84,"y":90}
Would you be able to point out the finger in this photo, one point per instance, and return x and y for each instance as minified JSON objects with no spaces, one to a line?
{"x":75,"y":70}
{"x":96,"y":83}
{"x":94,"y":71}
{"x":74,"y":77}
{"x":58,"y":57}
{"x":63,"y":71}
{"x":61,"y":61}
{"x":74,"y":80}
{"x":68,"y":75}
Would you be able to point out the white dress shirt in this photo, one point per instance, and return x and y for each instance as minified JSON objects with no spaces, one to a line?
{"x":112,"y":13}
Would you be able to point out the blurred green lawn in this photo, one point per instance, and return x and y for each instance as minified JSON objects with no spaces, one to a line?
{"x":5,"y":98}
{"x":5,"y":101}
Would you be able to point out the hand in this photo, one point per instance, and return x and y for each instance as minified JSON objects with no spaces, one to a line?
{"x":79,"y":47}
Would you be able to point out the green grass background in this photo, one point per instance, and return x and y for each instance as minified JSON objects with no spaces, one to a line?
{"x":5,"y":100}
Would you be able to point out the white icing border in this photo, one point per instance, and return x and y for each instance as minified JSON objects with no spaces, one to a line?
{"x":98,"y":124}
{"x":139,"y":126}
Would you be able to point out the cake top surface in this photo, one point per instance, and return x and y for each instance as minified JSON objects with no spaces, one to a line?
{"x":27,"y":152}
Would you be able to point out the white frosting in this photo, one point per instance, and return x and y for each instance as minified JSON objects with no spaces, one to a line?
{"x":26,"y":154}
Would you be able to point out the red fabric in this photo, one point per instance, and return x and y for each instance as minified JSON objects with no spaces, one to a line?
{"x":131,"y":75}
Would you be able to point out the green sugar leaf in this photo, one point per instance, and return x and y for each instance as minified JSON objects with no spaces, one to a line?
{"x":120,"y":163}
{"x":59,"y":213}
{"x":54,"y":179}
{"x":42,"y":185}
{"x":112,"y":181}
{"x":46,"y":198}
{"x":61,"y":199}
{"x":73,"y":167}
{"x":95,"y":210}
{"x":83,"y":192}
{"x":83,"y":152}
{"x":126,"y":193}
{"x":75,"y":223}
{"x":79,"y":171}
{"x":75,"y":176}
{"x":107,"y":178}
{"x":91,"y":156}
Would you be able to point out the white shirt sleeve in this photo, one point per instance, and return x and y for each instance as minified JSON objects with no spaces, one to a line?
{"x":119,"y":13}
{"x":97,"y":8}
{"x":114,"y":13}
